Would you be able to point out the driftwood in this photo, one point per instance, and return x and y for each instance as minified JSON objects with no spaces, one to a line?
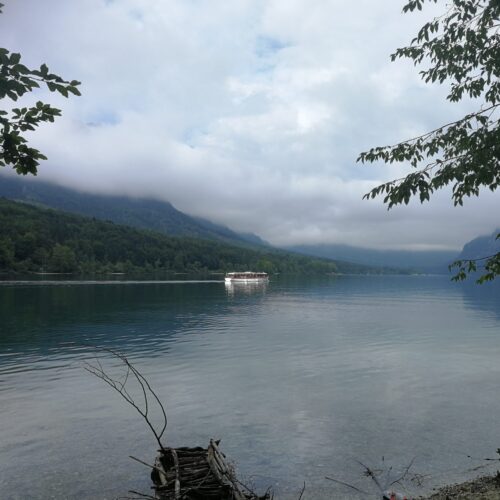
{"x":198,"y":473}
{"x":178,"y":473}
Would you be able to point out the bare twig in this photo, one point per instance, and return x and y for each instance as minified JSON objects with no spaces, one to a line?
{"x":486,"y":459}
{"x":120,"y":387}
{"x":407,"y":469}
{"x":302,"y":491}
{"x":196,"y":486}
{"x":146,"y":464}
{"x":419,"y":479}
{"x":268,"y":494}
{"x":346,"y":484}
{"x":370,"y":473}
{"x":141,"y":495}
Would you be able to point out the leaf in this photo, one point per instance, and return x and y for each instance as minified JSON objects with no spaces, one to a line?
{"x":74,"y":90}
{"x":62,"y":90}
{"x":15,"y":58}
{"x":21,"y":69}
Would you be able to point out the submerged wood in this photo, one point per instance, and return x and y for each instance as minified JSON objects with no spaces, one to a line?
{"x":198,"y":473}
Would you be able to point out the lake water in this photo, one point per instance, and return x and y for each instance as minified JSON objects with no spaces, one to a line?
{"x":300,"y":378}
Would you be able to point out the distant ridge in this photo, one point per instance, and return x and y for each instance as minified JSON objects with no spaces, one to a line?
{"x":140,"y":213}
{"x":162,"y":217}
{"x":482,"y":246}
{"x":435,"y":261}
{"x":426,"y":261}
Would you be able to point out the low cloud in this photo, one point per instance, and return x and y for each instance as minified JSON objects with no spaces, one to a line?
{"x":248,"y":113}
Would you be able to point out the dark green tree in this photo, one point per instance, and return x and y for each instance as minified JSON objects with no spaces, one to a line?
{"x":6,"y":253}
{"x":461,"y":48}
{"x":17,"y":80}
{"x":63,"y":259}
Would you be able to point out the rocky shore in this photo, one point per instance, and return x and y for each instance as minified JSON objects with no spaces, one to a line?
{"x":482,"y":488}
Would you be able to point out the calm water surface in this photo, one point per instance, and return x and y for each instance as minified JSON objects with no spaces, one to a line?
{"x":300,"y":378}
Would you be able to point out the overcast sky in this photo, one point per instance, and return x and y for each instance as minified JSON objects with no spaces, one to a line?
{"x":250,"y":113}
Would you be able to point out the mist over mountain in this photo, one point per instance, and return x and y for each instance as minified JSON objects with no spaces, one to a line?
{"x":163,"y":217}
{"x":37,"y":239}
{"x":140,"y":213}
{"x":482,"y":246}
{"x":426,"y":261}
{"x":435,"y":261}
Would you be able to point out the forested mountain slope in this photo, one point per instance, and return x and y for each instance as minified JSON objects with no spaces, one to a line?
{"x":34,"y":239}
{"x":141,"y":213}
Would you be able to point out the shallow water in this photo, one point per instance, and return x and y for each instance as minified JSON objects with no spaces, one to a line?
{"x":300,"y":378}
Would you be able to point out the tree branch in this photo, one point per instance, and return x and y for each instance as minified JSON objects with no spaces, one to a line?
{"x":120,"y":387}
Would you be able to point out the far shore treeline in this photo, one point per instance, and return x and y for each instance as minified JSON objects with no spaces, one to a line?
{"x":34,"y":239}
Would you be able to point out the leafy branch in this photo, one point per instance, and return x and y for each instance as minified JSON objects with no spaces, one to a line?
{"x":16,"y":80}
{"x":462,"y":47}
{"x":489,"y":266}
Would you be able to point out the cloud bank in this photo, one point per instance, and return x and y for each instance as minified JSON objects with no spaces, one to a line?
{"x":250,"y":113}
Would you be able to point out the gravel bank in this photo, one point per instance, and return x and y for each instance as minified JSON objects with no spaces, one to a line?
{"x":482,"y":488}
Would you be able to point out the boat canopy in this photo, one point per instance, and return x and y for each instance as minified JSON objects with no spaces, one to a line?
{"x":246,"y":275}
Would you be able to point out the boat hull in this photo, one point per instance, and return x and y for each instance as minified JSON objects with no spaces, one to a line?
{"x":246,"y":280}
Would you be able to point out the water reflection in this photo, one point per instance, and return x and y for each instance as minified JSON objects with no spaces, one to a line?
{"x":248,"y":288}
{"x":483,"y":298}
{"x":299,"y":377}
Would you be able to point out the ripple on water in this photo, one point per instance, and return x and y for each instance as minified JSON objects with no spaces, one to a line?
{"x":298,"y":379}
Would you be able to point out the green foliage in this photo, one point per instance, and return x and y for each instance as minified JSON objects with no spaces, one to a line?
{"x":16,"y":80}
{"x":6,"y":253}
{"x":266,"y":266}
{"x":489,"y":266}
{"x":463,"y":48}
{"x":41,"y":240}
{"x":63,"y":259}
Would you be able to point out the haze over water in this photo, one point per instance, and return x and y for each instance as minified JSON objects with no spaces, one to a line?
{"x":300,"y":378}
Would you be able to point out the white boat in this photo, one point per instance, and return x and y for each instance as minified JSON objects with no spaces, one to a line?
{"x":246,"y":277}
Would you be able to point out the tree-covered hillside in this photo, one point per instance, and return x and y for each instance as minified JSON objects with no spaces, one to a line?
{"x":34,"y":239}
{"x":141,"y":213}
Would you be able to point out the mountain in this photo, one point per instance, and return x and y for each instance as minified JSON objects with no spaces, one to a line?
{"x":419,"y":261}
{"x":35,"y":239}
{"x":140,"y":213}
{"x":480,"y":247}
{"x":227,"y":233}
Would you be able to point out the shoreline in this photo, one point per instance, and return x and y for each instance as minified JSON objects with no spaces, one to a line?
{"x":481,"y":488}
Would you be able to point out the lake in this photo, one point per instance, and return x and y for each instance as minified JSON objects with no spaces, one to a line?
{"x":301,"y":379}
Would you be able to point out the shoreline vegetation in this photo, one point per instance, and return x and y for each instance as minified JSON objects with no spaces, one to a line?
{"x":46,"y":241}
